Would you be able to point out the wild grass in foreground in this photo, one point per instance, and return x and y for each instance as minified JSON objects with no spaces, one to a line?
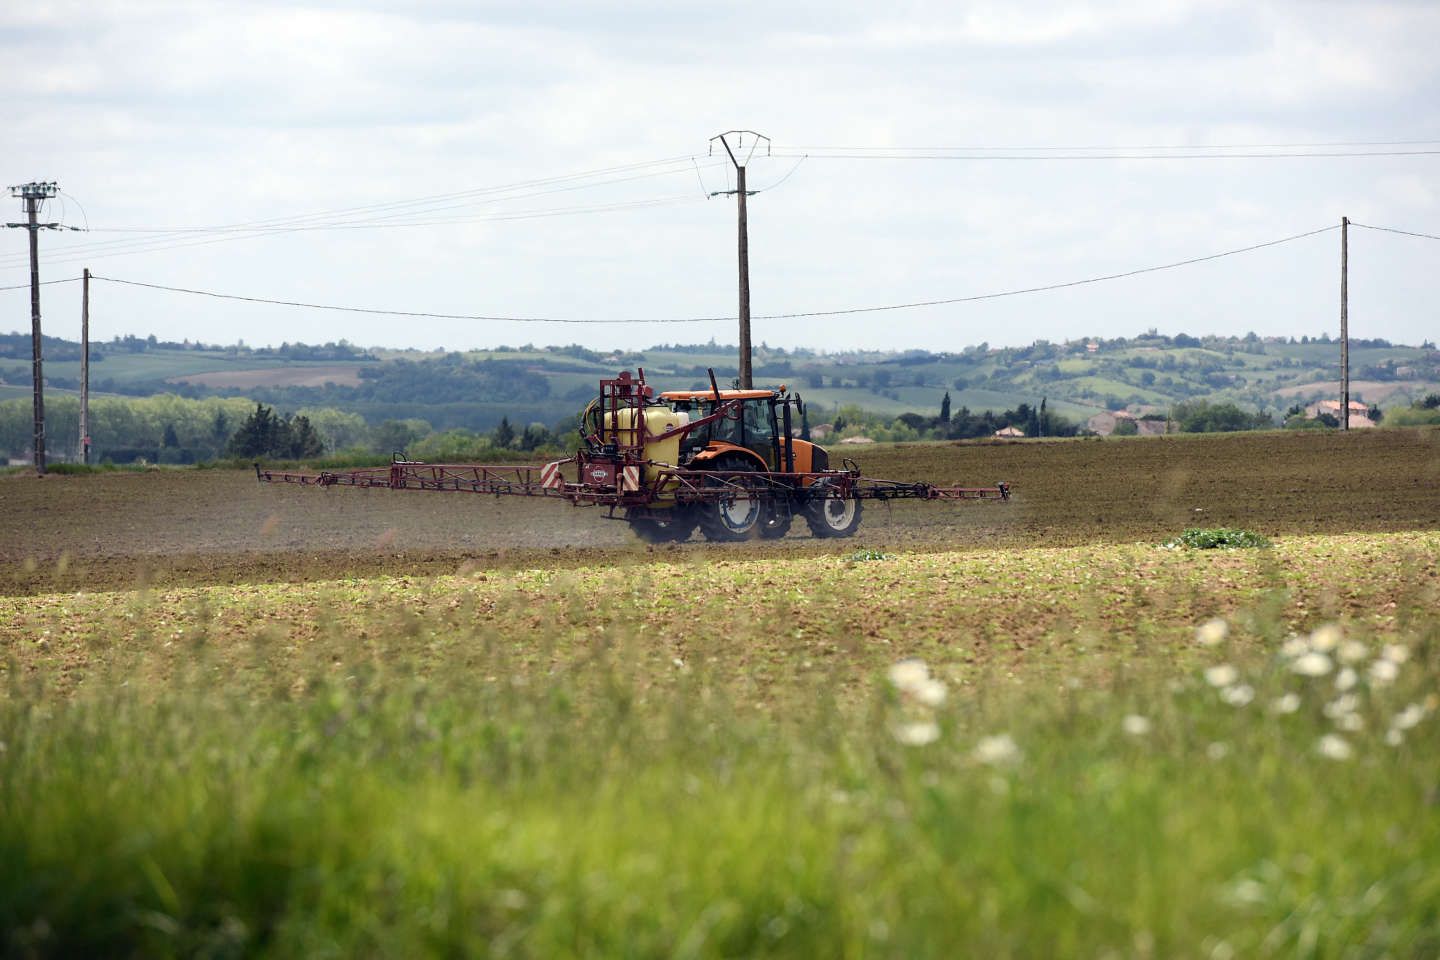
{"x":1259,"y":796}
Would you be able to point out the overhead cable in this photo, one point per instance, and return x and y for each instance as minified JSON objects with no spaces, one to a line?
{"x":388,"y":313}
{"x":1043,"y":157}
{"x":772,"y":316}
{"x":1116,"y":148}
{"x":153,"y":239}
{"x":1051,"y":286}
{"x":43,"y":283}
{"x":1407,"y":233}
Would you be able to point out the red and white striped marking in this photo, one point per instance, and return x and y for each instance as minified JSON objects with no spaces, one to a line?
{"x":550,"y":478}
{"x":630,"y":479}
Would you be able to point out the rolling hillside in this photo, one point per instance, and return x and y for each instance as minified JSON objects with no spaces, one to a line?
{"x":474,"y":389}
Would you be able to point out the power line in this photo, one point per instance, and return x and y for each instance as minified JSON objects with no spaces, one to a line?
{"x":43,"y":283}
{"x":1407,"y":233}
{"x":388,"y":313}
{"x":155,"y":239}
{"x":1040,"y":158}
{"x":154,"y":245}
{"x":773,"y":316}
{"x":1051,"y":286}
{"x":1114,"y":148}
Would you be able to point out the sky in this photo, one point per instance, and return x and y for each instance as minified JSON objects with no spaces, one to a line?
{"x":553,"y":160}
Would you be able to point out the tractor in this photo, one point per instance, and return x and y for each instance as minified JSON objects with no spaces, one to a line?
{"x":725,"y":461}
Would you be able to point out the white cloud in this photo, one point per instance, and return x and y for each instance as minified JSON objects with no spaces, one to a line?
{"x":170,"y":114}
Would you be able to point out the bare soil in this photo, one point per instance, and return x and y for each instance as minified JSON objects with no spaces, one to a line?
{"x":180,"y":527}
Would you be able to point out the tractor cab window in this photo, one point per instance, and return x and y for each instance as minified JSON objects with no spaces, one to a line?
{"x":727,"y":428}
{"x":758,"y":434}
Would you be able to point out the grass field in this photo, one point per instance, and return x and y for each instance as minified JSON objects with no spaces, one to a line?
{"x":240,"y":720}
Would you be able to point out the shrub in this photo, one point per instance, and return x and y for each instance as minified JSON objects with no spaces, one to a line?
{"x":1217,"y":538}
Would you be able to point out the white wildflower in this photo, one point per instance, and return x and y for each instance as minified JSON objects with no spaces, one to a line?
{"x":1350,"y":722}
{"x":1335,"y":747}
{"x":908,"y":674}
{"x":1396,"y":653}
{"x":1394,"y":737}
{"x":1383,"y":672}
{"x":1135,"y":725}
{"x":1217,"y":751}
{"x":1238,"y":695}
{"x":1294,"y":646}
{"x":930,"y":692}
{"x":1222,"y":675}
{"x":1325,"y":638}
{"x":1341,"y":706}
{"x":1409,"y":718}
{"x":997,"y":750}
{"x":1351,"y":651}
{"x":1211,"y":632}
{"x":917,"y":733}
{"x":1312,"y":664}
{"x":1346,"y":679}
{"x":1288,"y":703}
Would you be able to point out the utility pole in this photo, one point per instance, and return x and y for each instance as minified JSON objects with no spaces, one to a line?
{"x":746,"y":381}
{"x":1345,"y":323}
{"x":33,"y":194}
{"x":85,"y":367}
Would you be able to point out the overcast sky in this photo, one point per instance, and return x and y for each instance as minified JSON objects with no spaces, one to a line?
{"x":176,"y":116}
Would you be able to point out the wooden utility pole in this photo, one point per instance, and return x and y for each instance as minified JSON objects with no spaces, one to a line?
{"x":32,"y":194}
{"x":1345,"y":323}
{"x":743,"y":251}
{"x":85,"y":367}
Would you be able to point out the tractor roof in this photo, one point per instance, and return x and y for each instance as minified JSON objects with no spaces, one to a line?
{"x":710,"y":394}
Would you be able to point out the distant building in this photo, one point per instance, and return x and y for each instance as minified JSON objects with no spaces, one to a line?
{"x":1104,"y":423}
{"x":1152,"y":428}
{"x":1010,"y":432}
{"x":1359,"y":413}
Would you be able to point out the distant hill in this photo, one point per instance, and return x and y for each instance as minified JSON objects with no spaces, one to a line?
{"x":474,"y":389}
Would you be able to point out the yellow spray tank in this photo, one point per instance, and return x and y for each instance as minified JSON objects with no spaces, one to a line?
{"x":659,"y":454}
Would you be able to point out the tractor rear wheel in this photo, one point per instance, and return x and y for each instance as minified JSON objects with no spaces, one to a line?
{"x":739,"y":513}
{"x":675,"y":528}
{"x":829,"y":513}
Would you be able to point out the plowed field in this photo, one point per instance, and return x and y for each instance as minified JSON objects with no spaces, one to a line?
{"x":194,"y":526}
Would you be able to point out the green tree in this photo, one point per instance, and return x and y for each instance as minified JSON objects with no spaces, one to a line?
{"x":258,"y":435}
{"x":264,"y":434}
{"x":303,"y":441}
{"x":945,"y":408}
{"x":397,"y":436}
{"x":504,"y":434}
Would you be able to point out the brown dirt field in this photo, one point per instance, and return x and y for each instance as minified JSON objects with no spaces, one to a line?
{"x":178,"y":527}
{"x":342,"y":375}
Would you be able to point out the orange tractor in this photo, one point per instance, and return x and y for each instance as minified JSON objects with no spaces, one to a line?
{"x":725,"y":461}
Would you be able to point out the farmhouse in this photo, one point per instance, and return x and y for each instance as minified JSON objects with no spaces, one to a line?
{"x":1009,"y":432}
{"x":1359,"y":413}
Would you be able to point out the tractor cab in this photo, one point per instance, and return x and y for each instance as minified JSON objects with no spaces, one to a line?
{"x":760,"y":428}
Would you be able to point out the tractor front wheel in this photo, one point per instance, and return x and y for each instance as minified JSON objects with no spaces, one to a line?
{"x":739,"y":512}
{"x":829,"y":513}
{"x":776,"y":521}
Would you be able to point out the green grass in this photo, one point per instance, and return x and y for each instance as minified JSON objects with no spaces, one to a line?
{"x":549,"y":763}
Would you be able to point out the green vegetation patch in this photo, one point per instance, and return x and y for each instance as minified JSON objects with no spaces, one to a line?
{"x":559,"y":764}
{"x":1217,"y":538}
